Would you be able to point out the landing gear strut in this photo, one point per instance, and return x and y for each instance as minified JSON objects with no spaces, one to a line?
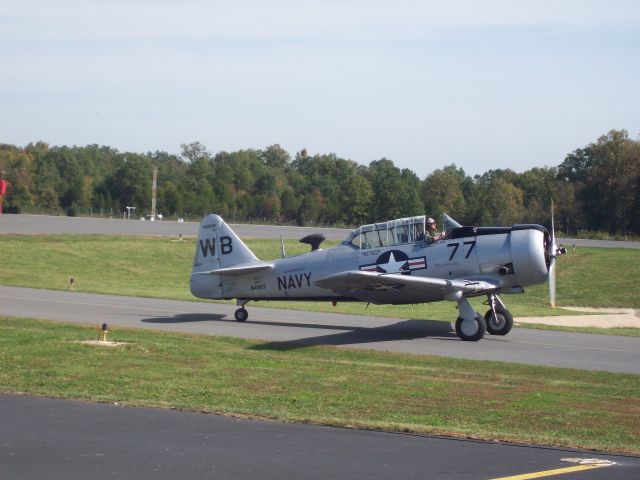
{"x":499,"y":319}
{"x":471,"y":325}
{"x":241,"y":314}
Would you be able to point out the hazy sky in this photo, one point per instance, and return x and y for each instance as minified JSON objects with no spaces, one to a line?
{"x":483,"y":84}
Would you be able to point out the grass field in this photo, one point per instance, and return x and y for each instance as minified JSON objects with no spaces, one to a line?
{"x":160,"y":267}
{"x":487,"y":400}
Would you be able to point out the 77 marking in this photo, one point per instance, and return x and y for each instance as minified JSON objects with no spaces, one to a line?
{"x":457,"y":244}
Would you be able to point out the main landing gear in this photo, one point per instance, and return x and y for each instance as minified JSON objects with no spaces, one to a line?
{"x":471,"y":326}
{"x":499,"y":319}
{"x":241,"y":314}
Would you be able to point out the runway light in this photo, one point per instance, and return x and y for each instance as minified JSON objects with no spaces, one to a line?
{"x":104,"y":329}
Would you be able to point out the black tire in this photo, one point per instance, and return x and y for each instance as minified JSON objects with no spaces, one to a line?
{"x":241,"y":315}
{"x":467,"y":333}
{"x":501,"y":325}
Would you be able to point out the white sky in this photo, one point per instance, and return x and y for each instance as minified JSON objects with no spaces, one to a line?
{"x":483,"y":84}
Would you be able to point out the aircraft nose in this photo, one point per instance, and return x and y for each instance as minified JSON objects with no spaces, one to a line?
{"x":530,"y":261}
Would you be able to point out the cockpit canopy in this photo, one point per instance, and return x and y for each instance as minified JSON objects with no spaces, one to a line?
{"x":401,"y":231}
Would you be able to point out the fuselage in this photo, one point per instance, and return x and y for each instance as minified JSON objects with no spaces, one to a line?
{"x":509,"y":257}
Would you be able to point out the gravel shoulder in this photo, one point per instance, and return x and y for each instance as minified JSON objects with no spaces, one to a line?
{"x":595,"y":317}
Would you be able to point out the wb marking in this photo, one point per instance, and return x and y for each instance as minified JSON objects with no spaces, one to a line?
{"x":294,"y":281}
{"x":208,"y":246}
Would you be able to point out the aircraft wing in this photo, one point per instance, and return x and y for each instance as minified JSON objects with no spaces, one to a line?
{"x":396,"y":288}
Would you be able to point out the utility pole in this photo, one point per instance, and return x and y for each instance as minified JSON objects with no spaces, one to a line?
{"x":153,"y":192}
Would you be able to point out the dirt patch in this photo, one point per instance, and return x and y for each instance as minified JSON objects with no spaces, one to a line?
{"x":598,"y":317}
{"x":100,"y":343}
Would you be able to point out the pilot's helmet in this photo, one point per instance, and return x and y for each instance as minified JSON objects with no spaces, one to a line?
{"x":430,"y":221}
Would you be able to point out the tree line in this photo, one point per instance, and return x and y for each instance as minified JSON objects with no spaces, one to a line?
{"x":595,"y":188}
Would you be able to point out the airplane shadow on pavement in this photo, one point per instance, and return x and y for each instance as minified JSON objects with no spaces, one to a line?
{"x":404,"y":330}
{"x":349,"y":335}
{"x":185,"y":317}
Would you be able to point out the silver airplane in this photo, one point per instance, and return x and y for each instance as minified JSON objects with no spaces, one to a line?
{"x":393,"y":262}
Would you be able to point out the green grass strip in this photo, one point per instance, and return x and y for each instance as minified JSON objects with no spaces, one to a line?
{"x":324,"y":385}
{"x":160,"y":267}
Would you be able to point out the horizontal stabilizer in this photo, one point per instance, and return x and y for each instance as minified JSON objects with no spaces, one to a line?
{"x":239,"y":270}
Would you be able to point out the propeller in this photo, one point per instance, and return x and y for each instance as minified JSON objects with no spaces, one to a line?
{"x":553,"y":252}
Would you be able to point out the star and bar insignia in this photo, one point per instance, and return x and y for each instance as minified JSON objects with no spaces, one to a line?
{"x":395,"y":261}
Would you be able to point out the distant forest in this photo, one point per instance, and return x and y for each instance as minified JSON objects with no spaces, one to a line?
{"x":595,"y":188}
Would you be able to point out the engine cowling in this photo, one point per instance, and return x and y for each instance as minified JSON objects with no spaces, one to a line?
{"x":528,"y":252}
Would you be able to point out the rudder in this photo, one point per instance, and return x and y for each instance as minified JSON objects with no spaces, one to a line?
{"x":219,"y":247}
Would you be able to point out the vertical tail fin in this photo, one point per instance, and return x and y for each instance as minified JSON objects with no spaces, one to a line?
{"x":219,"y":247}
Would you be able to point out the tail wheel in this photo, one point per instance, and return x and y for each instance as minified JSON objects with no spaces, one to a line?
{"x":500,"y":323}
{"x":241,"y":315}
{"x":471,"y":330}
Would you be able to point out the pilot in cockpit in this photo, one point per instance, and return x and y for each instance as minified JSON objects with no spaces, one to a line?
{"x":432,"y":231}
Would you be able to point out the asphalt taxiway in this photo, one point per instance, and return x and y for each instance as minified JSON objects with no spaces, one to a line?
{"x":300,"y":328}
{"x":62,"y":439}
{"x":53,"y":225}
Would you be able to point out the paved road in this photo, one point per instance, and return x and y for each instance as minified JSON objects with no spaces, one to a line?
{"x":40,"y":224}
{"x":537,"y":347}
{"x":62,"y":439}
{"x":37,"y":224}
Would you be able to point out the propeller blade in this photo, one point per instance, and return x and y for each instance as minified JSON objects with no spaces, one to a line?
{"x":552,"y":282}
{"x":553,"y":255}
{"x":553,"y":232}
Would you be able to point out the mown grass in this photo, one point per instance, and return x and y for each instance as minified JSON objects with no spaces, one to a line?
{"x":160,"y":267}
{"x":395,"y":392}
